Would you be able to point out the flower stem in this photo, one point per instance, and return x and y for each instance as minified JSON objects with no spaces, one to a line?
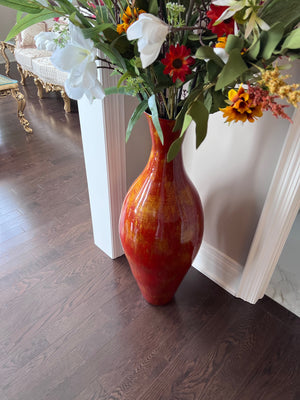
{"x":185,"y":28}
{"x":189,"y":11}
{"x":166,"y":106}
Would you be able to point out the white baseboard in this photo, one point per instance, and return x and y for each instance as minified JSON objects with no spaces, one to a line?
{"x":219,"y":267}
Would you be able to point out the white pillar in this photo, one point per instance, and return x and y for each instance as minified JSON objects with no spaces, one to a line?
{"x":103,"y":136}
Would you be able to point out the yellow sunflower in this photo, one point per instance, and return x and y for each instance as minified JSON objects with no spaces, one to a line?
{"x":242,"y":108}
{"x":128,"y":19}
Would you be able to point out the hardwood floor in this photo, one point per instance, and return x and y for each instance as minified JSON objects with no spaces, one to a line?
{"x":73,"y":325}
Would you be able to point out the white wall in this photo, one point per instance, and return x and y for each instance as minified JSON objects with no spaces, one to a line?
{"x":232,"y":171}
{"x":7,"y":20}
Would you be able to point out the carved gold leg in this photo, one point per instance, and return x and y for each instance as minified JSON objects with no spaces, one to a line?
{"x":2,"y":51}
{"x":21,"y":106}
{"x":22,"y":74}
{"x":39,"y":87}
{"x":67,"y":101}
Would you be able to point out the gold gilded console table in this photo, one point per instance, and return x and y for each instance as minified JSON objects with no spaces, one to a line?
{"x":11,"y":87}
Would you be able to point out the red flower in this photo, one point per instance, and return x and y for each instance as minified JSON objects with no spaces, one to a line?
{"x":178,"y":62}
{"x":225,"y":27}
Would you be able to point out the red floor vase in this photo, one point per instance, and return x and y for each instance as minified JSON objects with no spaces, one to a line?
{"x":161,"y":221}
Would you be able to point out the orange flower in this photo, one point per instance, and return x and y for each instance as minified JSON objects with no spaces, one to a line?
{"x":178,"y":62}
{"x":128,"y":19}
{"x":221,"y":43}
{"x":242,"y":107}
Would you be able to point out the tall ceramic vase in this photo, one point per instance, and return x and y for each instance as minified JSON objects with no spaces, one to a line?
{"x":161,"y":221}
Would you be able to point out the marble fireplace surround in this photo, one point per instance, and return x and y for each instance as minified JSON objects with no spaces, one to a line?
{"x":106,"y":175}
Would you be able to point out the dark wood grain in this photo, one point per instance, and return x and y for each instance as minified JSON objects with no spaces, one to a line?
{"x":73,"y":324}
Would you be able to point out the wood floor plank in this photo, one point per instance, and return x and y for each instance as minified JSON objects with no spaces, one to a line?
{"x":277,"y":375}
{"x":134,"y":364}
{"x":236,"y":354}
{"x":94,"y":391}
{"x":95,"y":330}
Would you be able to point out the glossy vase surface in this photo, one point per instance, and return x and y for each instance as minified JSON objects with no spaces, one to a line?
{"x":161,"y":221}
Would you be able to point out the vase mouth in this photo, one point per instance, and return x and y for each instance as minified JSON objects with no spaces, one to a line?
{"x":148,"y":115}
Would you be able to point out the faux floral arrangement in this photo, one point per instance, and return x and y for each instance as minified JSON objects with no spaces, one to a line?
{"x":183,"y":60}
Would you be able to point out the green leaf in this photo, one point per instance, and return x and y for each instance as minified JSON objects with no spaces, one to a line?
{"x":19,"y":15}
{"x":186,"y":123}
{"x":180,"y":117}
{"x":292,"y":41}
{"x":116,"y":90}
{"x":67,"y":6}
{"x":270,"y":39}
{"x":123,"y":78}
{"x":113,"y":55}
{"x":135,"y":116}
{"x":22,"y":5}
{"x":153,"y":7}
{"x":213,"y":71}
{"x":218,"y":101}
{"x":174,"y":148}
{"x":111,"y":34}
{"x":234,"y":42}
{"x":122,"y":45}
{"x":206,"y":52}
{"x":234,"y":68}
{"x":95,"y":30}
{"x":254,"y":49}
{"x":285,"y":11}
{"x":155,"y":118}
{"x":199,"y":113}
{"x":208,"y":100}
{"x":142,"y":4}
{"x":163,"y":79}
{"x":29,"y":20}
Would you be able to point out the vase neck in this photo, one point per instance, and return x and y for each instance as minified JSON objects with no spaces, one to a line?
{"x":169,"y":136}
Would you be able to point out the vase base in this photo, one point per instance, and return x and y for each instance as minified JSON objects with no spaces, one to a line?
{"x":157,"y":299}
{"x":158,"y":302}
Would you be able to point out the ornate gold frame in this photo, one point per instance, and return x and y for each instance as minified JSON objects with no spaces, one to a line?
{"x":48,"y":87}
{"x":13,"y":90}
{"x":11,"y":47}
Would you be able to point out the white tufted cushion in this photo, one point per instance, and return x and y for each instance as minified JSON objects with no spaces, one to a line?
{"x":49,"y":24}
{"x":44,"y":69}
{"x":26,"y":37}
{"x":25,"y":56}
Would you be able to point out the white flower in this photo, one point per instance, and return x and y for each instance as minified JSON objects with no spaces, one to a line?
{"x":45,"y":40}
{"x":219,"y":51}
{"x":78,"y":58}
{"x":151,"y":32}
